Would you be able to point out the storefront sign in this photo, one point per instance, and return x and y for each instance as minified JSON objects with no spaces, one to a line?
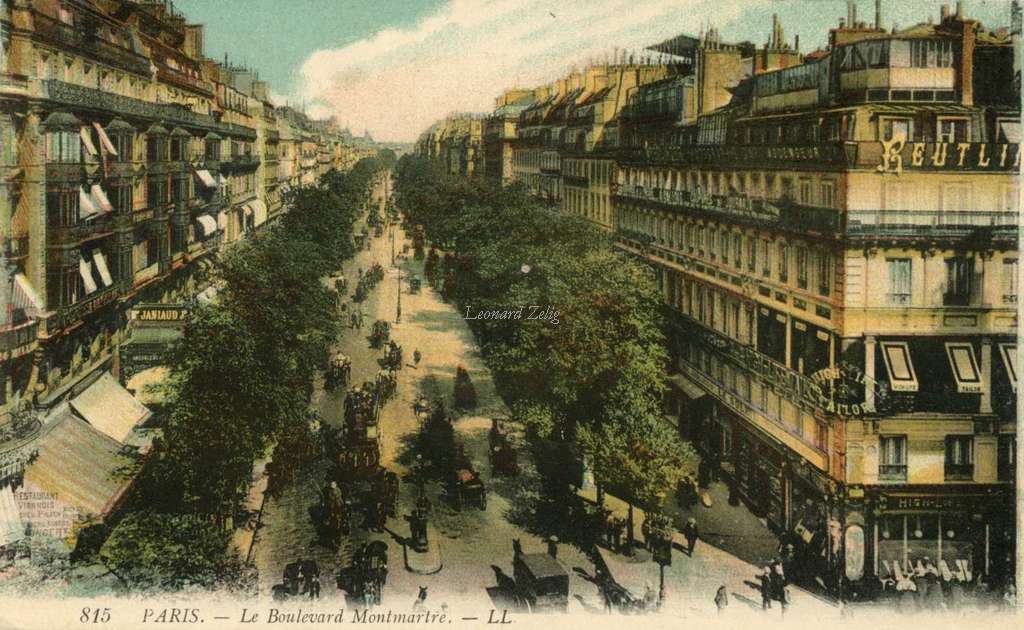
{"x":173,"y":315}
{"x":854,"y":552}
{"x":842,"y":390}
{"x":898,"y":154}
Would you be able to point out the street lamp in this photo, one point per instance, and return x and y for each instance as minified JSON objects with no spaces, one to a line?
{"x":398,"y":308}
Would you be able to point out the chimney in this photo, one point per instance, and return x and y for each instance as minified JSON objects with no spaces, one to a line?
{"x":944,"y":12}
{"x":796,"y":42}
{"x":878,"y":14}
{"x":842,"y":23}
{"x":960,"y":9}
{"x":851,"y":14}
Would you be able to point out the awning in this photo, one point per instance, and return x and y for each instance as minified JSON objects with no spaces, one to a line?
{"x":11,"y":529}
{"x":206,"y":178}
{"x":1011,"y":130}
{"x":109,"y":408}
{"x":100,"y":200}
{"x":85,"y":270}
{"x":902,"y":377}
{"x":105,"y":142}
{"x":1009,"y":353}
{"x":964,"y":366}
{"x":79,"y":467}
{"x":101,"y":267}
{"x":86,"y":207}
{"x":26,"y":297}
{"x":688,"y":387}
{"x":86,"y":136}
{"x":206,"y":224}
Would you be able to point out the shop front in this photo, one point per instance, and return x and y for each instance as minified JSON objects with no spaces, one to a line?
{"x":963,"y":530}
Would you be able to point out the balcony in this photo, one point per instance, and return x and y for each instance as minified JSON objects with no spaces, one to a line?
{"x":918,"y":224}
{"x":71,"y":235}
{"x":85,"y":38}
{"x":741,"y":208}
{"x":67,"y":315}
{"x":18,"y":339}
{"x":240,"y":162}
{"x":79,"y":97}
{"x":175,"y":77}
{"x":959,"y":472}
{"x":892,"y":472}
{"x":65,"y":172}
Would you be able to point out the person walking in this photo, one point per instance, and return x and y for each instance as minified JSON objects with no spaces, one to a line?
{"x":691,"y":533}
{"x":416,"y":356}
{"x":778,"y":586}
{"x":314,"y":587}
{"x":765,"y":578}
{"x":721,"y":598}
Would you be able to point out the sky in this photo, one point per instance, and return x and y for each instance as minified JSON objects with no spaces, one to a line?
{"x":393,"y":67}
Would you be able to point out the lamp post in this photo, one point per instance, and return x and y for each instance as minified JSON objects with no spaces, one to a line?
{"x":398,"y":307}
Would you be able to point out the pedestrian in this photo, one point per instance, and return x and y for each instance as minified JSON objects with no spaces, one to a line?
{"x":1010,"y":597}
{"x":765,"y":578}
{"x":553,"y":546}
{"x":778,"y":585}
{"x":691,"y":533}
{"x":309,"y":570}
{"x":721,"y":598}
{"x":416,"y":356}
{"x":314,"y":588}
{"x":704,"y":473}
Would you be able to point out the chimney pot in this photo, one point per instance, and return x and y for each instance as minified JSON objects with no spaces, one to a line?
{"x":878,"y":14}
{"x":945,"y":12}
{"x":960,"y":8}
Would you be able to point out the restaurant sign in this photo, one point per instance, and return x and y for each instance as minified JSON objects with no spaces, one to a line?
{"x":898,"y":155}
{"x":169,"y":315}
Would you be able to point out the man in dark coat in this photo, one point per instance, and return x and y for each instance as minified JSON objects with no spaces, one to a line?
{"x":765,"y":578}
{"x":691,"y":533}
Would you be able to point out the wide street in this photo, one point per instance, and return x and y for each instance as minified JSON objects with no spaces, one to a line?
{"x":472,"y":540}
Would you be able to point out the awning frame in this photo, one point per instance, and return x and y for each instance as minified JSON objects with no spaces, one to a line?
{"x":964,"y":366}
{"x":1009,"y":353}
{"x":900,"y":350}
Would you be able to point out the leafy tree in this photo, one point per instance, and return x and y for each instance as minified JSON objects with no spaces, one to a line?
{"x":152,"y":551}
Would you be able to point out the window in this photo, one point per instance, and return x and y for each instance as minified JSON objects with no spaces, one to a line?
{"x":178,"y":149}
{"x":65,"y":147}
{"x":62,"y":206}
{"x":751,"y":254}
{"x":737,"y":250}
{"x":902,"y":377}
{"x":712,"y":243}
{"x":824,"y":273}
{"x":121,"y":197}
{"x":801,"y":267}
{"x":783,"y":263}
{"x":766,"y":259}
{"x":965,"y":367}
{"x":896,"y":128}
{"x":828,"y":194}
{"x":892,"y":458}
{"x":899,"y":281}
{"x":156,"y":190}
{"x":931,"y":53}
{"x":952,"y":130}
{"x":724,"y":240}
{"x":1009,"y":281}
{"x":805,"y":192}
{"x":959,"y":457}
{"x":156,"y":148}
{"x":959,"y":274}
{"x":1006,"y":458}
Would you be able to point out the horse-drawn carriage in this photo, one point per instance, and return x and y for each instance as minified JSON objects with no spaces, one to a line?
{"x":393,"y":357}
{"x":464,"y":484}
{"x":338,"y":372}
{"x":502,"y":455}
{"x":414,"y":284}
{"x":386,"y":383}
{"x":541,"y":582}
{"x":365,"y":576}
{"x":380,"y":334}
{"x":341,"y":285}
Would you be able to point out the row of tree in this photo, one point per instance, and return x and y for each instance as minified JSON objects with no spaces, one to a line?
{"x":239,"y":388}
{"x":596,"y":378}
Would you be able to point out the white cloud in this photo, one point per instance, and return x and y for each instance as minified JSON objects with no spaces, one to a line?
{"x":397,"y":82}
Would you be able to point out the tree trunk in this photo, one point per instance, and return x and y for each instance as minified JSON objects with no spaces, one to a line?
{"x":629,"y":530}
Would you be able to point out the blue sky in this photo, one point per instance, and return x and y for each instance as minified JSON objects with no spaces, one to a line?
{"x":395,"y":66}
